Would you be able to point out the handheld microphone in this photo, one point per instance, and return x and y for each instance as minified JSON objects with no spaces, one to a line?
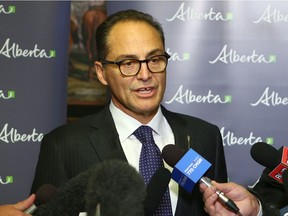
{"x":284,"y":210}
{"x":265,"y":154}
{"x":117,"y":188}
{"x":156,"y":189}
{"x":272,"y":159}
{"x":189,"y":168}
{"x":43,"y":195}
{"x":269,"y":157}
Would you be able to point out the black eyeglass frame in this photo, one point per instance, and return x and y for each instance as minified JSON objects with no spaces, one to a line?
{"x":166,"y":55}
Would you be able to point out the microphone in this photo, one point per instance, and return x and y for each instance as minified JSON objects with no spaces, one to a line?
{"x":117,"y":188}
{"x":70,"y":199}
{"x":269,"y":157}
{"x":265,"y":154}
{"x":115,"y":179}
{"x":274,"y":160}
{"x":285,"y":182}
{"x":155,"y":190}
{"x":284,"y":210}
{"x":189,"y":168}
{"x":43,"y":195}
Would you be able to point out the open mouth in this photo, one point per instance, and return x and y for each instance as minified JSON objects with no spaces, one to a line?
{"x":145,"y":90}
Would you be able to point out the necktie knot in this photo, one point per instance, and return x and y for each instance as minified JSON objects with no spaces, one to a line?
{"x":144,"y":134}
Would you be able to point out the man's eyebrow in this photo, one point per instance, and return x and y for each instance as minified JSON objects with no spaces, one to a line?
{"x":132,"y":56}
{"x":156,"y":52}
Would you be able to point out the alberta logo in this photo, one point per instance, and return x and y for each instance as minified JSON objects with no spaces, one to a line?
{"x":12,"y":135}
{"x":14,"y":50}
{"x":7,"y":95}
{"x":272,"y":16}
{"x":230,"y":138}
{"x":175,"y":56}
{"x":271,"y":98}
{"x":7,"y":10}
{"x":7,"y":180}
{"x":188,"y":13}
{"x":231,"y":56}
{"x":187,"y":96}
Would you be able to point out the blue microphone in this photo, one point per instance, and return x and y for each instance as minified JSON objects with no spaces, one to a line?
{"x":189,"y":168}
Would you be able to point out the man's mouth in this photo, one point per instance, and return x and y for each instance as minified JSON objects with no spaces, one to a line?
{"x":145,"y":90}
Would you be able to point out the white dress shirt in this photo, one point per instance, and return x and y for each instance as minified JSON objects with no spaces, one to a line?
{"x":162,"y":134}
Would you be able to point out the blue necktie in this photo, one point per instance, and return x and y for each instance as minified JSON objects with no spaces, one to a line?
{"x":150,"y":161}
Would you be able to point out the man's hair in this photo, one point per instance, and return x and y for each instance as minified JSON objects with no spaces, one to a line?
{"x":104,"y":29}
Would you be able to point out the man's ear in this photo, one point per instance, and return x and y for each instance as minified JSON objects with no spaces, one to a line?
{"x":100,"y":72}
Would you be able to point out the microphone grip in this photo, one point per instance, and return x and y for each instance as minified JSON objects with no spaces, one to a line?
{"x":221,"y":196}
{"x":32,"y":209}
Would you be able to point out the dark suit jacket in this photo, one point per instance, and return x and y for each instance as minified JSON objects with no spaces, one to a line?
{"x":73,"y":148}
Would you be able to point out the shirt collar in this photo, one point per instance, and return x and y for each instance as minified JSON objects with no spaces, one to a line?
{"x":126,"y":125}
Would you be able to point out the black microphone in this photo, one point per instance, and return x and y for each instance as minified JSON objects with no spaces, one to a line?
{"x":77,"y":196}
{"x":156,"y":189}
{"x":265,"y":154}
{"x":285,"y":182}
{"x":173,"y":155}
{"x":70,"y":199}
{"x":117,"y":188}
{"x":43,"y":195}
{"x":284,"y":210}
{"x":269,"y":157}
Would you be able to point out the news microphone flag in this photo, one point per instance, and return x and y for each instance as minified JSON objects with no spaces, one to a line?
{"x":283,"y":165}
{"x":189,"y":169}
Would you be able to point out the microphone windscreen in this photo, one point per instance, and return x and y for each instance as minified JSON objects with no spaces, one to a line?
{"x":265,"y":154}
{"x":70,"y":198}
{"x":45,"y":193}
{"x":156,"y":189}
{"x":118,"y":188}
{"x":172,"y":154}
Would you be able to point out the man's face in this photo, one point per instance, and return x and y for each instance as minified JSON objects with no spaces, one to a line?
{"x":138,"y":96}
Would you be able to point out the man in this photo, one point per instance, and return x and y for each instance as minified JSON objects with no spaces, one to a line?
{"x":132,"y":64}
{"x":18,"y":208}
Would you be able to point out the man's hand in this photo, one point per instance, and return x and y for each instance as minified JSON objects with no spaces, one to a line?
{"x":18,"y":208}
{"x":246,"y":202}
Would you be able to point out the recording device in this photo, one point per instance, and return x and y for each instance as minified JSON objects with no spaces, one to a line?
{"x":155,"y":190}
{"x":110,"y":186}
{"x":189,"y":168}
{"x":284,"y":210}
{"x":269,"y":157}
{"x":117,"y":188}
{"x":43,"y":195}
{"x":275,"y":160}
{"x":265,"y":154}
{"x":70,"y":199}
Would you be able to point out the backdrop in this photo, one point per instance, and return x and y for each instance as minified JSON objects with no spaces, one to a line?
{"x":33,"y":83}
{"x":228,"y":66}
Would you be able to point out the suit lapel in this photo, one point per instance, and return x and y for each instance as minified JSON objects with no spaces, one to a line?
{"x":104,"y":137}
{"x":179,"y":128}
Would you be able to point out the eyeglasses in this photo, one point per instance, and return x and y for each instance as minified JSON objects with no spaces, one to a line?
{"x":131,"y":67}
